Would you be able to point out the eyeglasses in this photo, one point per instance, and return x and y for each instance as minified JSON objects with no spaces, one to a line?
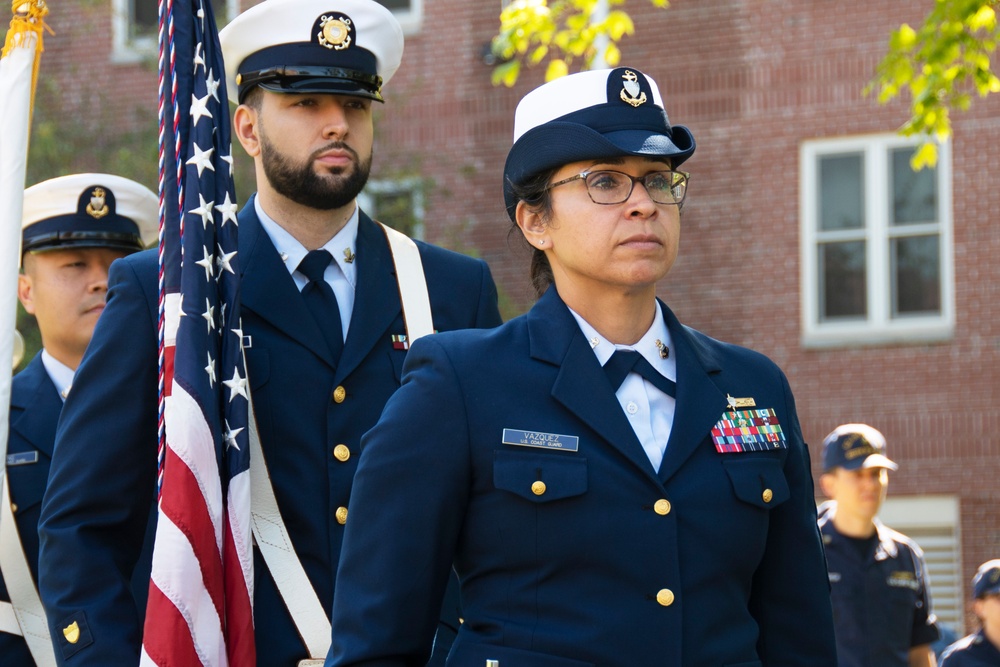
{"x":614,"y":187}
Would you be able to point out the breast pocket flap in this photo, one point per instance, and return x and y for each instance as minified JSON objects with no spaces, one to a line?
{"x":540,"y":478}
{"x":758,"y":481}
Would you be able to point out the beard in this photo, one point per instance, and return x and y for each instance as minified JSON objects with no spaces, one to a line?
{"x":301,"y":184}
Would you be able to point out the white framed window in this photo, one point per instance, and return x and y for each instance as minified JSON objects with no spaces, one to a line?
{"x":876,"y":242}
{"x":135,"y":24}
{"x":397,"y":203}
{"x":933,"y":523}
{"x":409,"y":13}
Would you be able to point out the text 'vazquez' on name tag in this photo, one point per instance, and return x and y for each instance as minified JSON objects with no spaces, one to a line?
{"x":513,"y":436}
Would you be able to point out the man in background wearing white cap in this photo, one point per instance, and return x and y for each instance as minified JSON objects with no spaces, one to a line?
{"x":981,"y":648}
{"x":881,"y":599}
{"x":307,"y":74}
{"x":73,"y":227}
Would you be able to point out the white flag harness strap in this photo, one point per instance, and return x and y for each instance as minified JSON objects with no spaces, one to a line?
{"x":24,"y":615}
{"x":311,"y":620}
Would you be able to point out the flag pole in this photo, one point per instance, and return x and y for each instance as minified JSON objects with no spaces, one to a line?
{"x":18,"y":75}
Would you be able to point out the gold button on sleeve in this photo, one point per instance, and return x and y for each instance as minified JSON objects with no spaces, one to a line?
{"x":538,"y":488}
{"x":341,"y":515}
{"x":662,"y":507}
{"x":339,"y":394}
{"x":767,"y":495}
{"x":665,"y":597}
{"x":341,"y":452}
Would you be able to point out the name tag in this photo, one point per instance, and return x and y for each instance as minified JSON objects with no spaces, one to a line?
{"x":513,"y":436}
{"x":22,"y":458}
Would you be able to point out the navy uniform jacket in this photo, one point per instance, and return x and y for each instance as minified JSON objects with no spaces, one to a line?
{"x":714,"y":560}
{"x":974,"y":650}
{"x":34,"y":410}
{"x":104,"y":468}
{"x":881,"y":601}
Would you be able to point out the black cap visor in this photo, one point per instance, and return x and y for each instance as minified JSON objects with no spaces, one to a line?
{"x":78,"y":240}
{"x":323,"y":80}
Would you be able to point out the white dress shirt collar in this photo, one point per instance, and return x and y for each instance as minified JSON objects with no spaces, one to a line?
{"x":60,"y":374}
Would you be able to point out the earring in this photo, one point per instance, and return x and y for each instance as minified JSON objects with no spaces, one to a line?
{"x":541,"y":242}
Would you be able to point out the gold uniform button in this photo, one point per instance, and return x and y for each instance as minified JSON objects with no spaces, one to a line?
{"x":341,"y":515}
{"x":538,"y":488}
{"x":767,"y":495}
{"x":339,"y":394}
{"x":665,"y":597}
{"x":662,"y":507}
{"x":341,"y":452}
{"x":13,"y":508}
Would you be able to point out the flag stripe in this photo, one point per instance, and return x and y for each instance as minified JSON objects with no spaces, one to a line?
{"x":160,"y":645}
{"x":188,"y":596}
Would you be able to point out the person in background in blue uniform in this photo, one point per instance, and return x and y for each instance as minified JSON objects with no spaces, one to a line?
{"x":613,"y":488}
{"x":981,"y":648}
{"x":881,"y":599}
{"x":73,"y":227}
{"x":307,"y":74}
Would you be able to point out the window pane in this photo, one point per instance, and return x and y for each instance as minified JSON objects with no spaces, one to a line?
{"x":395,"y":5}
{"x":916,"y":275}
{"x":145,"y":17}
{"x":841,"y":192}
{"x":396,"y":209}
{"x":843,"y":280}
{"x":914,"y":193}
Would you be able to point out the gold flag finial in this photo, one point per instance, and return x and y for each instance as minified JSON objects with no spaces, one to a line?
{"x":28,"y":19}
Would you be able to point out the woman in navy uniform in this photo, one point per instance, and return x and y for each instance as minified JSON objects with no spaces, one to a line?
{"x":981,"y":648}
{"x":658,"y":510}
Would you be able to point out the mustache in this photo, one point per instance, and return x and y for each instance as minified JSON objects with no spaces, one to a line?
{"x":336,"y":145}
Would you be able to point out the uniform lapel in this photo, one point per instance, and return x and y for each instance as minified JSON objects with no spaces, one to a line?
{"x":41,"y":406}
{"x":581,"y":385}
{"x":376,"y":301}
{"x":268,"y":290}
{"x":700,"y":402}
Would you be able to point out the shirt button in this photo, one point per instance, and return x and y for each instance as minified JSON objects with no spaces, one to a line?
{"x":341,"y":452}
{"x":662,"y":507}
{"x":538,"y":488}
{"x":341,"y":515}
{"x":631,"y":407}
{"x":767,"y":495}
{"x":339,"y":394}
{"x":665,"y":597}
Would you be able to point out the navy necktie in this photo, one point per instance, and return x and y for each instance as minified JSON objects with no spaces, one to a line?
{"x":622,"y":362}
{"x":321,"y":300}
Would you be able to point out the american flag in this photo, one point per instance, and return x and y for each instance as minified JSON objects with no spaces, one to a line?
{"x":201,"y":588}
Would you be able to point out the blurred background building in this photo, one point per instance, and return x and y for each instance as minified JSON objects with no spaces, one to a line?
{"x":806,"y":235}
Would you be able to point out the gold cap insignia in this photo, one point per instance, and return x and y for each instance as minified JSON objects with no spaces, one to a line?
{"x":631,"y":92}
{"x":335,"y":32}
{"x":72,"y":632}
{"x":98,"y":207}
